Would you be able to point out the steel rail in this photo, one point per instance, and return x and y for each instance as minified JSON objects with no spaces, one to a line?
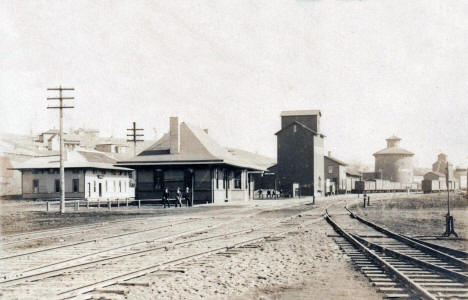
{"x":21,"y":275}
{"x":58,"y":271}
{"x":95,"y":240}
{"x":408,"y":282}
{"x":251,"y":229}
{"x":426,"y":249}
{"x":78,"y":266}
{"x":78,"y":227}
{"x":67,"y":233}
{"x":447,"y":250}
{"x":396,"y":254}
{"x":151,"y":269}
{"x":73,"y":227}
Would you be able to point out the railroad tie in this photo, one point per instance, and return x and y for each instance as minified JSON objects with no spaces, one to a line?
{"x":111,"y":291}
{"x":133,"y":283}
{"x":397,"y":296}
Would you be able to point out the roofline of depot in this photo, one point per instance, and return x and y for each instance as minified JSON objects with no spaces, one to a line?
{"x":188,"y":162}
{"x":404,"y":154}
{"x":105,"y":168}
{"x":180,"y":162}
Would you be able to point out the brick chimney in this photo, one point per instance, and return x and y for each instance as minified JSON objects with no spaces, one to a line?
{"x":174,"y":135}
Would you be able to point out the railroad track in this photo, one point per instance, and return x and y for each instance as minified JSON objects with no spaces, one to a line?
{"x":11,"y":240}
{"x":20,"y":239}
{"x":399,"y":266}
{"x":180,"y":246}
{"x":228,"y":244}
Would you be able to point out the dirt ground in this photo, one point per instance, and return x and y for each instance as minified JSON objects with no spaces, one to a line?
{"x":306,"y":264}
{"x":422,"y":216}
{"x":17,"y":216}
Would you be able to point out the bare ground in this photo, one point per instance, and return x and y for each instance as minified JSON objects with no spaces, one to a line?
{"x":422,"y":216}
{"x":304,"y":265}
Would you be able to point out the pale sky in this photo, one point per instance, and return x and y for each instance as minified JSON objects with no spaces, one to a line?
{"x":374,"y":69}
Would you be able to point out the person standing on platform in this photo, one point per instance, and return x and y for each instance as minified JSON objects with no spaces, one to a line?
{"x":178,"y":197}
{"x":188,"y":197}
{"x":165,"y":198}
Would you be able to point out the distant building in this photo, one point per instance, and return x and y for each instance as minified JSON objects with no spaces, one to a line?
{"x":88,"y":175}
{"x":460,"y":175}
{"x":50,"y":141}
{"x":300,"y":153}
{"x":187,"y":156}
{"x":441,"y":165}
{"x":370,"y":175}
{"x":112,"y":148}
{"x":418,"y":176}
{"x":394,"y":163}
{"x":437,"y":181}
{"x":351,"y":177}
{"x":335,"y":175}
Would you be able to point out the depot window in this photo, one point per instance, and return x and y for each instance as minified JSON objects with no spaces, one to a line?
{"x":158,"y":179}
{"x":237,"y":179}
{"x":76,"y":184}
{"x":36,"y":186}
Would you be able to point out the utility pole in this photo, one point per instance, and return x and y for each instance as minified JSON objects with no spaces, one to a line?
{"x":61,"y":107}
{"x":134,"y":136}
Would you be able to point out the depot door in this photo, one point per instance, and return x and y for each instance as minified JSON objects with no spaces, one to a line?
{"x":100,"y":189}
{"x":189,"y":183}
{"x":295,"y":188}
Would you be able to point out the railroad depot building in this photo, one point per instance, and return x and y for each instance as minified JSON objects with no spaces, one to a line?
{"x":188,"y":157}
{"x":300,"y":154}
{"x":89,"y":175}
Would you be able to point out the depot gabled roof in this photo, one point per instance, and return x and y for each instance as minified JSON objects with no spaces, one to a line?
{"x":303,"y":126}
{"x":196,"y":147}
{"x":73,"y":159}
{"x":310,"y":112}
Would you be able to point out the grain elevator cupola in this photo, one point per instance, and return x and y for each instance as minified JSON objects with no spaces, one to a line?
{"x":393,"y":141}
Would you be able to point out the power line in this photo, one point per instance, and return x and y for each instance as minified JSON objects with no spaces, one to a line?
{"x":134,"y":136}
{"x":61,"y":107}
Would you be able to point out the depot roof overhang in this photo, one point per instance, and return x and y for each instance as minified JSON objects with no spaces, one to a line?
{"x":184,"y":163}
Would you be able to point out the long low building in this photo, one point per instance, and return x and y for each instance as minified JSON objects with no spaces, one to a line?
{"x":88,"y":175}
{"x":187,"y":157}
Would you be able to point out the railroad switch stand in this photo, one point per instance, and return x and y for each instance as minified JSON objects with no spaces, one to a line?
{"x":449,"y":228}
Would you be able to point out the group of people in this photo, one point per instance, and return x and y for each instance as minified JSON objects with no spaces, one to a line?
{"x":269,"y":194}
{"x":178,"y":196}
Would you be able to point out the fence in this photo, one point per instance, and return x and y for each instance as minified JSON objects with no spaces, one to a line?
{"x":105,"y":203}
